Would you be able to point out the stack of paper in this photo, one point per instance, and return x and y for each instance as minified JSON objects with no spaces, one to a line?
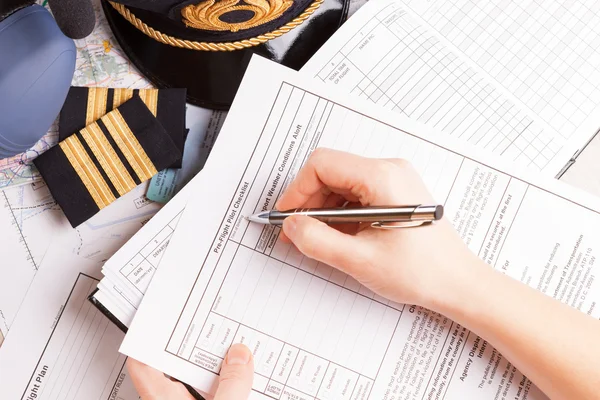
{"x":316,"y":332}
{"x":470,"y":94}
{"x":388,"y":54}
{"x":390,"y":57}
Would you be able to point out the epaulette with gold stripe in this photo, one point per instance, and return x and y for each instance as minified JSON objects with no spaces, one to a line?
{"x":90,"y":169}
{"x":85,"y":105}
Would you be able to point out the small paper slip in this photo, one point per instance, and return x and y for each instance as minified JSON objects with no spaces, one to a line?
{"x":315,"y":332}
{"x":166,"y":184}
{"x":162,"y":185}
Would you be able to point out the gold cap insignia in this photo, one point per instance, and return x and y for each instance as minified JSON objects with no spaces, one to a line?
{"x":207,"y":15}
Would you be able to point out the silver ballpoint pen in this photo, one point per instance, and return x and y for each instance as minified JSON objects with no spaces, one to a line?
{"x":379,"y":217}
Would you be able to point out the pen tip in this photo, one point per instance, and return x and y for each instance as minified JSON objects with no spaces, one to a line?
{"x":262,"y":217}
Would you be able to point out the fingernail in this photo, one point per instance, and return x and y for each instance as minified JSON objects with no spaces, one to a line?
{"x":238,"y":354}
{"x":289,"y":227}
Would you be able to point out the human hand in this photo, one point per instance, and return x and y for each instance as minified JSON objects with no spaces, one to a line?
{"x":235,"y":379}
{"x":411,"y":265}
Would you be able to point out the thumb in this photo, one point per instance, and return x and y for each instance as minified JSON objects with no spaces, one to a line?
{"x":237,"y":372}
{"x":321,"y":242}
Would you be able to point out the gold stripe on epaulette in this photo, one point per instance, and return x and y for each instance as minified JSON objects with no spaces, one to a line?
{"x":96,"y":104}
{"x":150,"y":98}
{"x":129,"y":145}
{"x":108,"y":159}
{"x":87,"y":171}
{"x":120,"y":96}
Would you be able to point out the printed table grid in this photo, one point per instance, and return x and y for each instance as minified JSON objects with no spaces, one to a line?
{"x":419,"y":77}
{"x":359,"y":290}
{"x":545,"y":53}
{"x":141,"y":265}
{"x":325,"y":108}
{"x":269,"y":383}
{"x":221,"y":327}
{"x":288,"y":258}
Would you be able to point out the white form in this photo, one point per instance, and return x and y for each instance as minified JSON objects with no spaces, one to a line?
{"x":385,"y":54}
{"x":547,"y":53}
{"x":60,"y":346}
{"x":315,"y":332}
{"x":388,"y":57}
{"x":128,"y":273}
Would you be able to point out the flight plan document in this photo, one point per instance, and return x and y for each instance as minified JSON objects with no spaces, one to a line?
{"x":315,"y":332}
{"x":60,"y":347}
{"x":388,"y":55}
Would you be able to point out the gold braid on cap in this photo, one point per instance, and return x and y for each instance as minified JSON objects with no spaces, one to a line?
{"x":214,"y":46}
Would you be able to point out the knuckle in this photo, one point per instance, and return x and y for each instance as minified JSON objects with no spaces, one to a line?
{"x":318,"y":155}
{"x":366,"y":192}
{"x":399,"y":165}
{"x":393,"y":177}
{"x":303,"y":186}
{"x":387,"y":169}
{"x":304,"y":238}
{"x":403,"y":164}
{"x":383,"y":175}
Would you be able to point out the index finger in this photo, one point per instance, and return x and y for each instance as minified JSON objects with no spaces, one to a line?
{"x":330,"y":170}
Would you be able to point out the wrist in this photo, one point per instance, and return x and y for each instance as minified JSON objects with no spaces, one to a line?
{"x":459,"y":289}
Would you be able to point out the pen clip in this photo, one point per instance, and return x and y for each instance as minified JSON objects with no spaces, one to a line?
{"x":397,"y":225}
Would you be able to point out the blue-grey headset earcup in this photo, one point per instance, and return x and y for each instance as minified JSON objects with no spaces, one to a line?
{"x":37,"y":62}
